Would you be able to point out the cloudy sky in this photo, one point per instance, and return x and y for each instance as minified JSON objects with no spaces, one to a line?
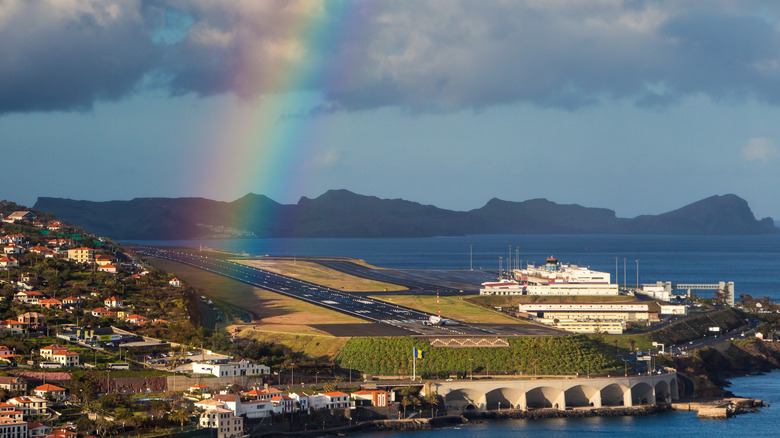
{"x":637,"y":106}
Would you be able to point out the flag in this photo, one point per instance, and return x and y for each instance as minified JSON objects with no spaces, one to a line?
{"x":419,"y":354}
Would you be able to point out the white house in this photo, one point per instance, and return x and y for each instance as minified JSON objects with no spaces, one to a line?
{"x":336,"y":400}
{"x":242,"y":368}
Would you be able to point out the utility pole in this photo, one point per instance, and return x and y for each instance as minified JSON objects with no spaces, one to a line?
{"x":637,"y":273}
{"x":624,"y":272}
{"x":471,"y":257}
{"x":616,"y":271}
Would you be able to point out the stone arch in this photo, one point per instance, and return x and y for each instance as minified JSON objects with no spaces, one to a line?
{"x":544,"y":397}
{"x":662,"y":392}
{"x":581,"y":396}
{"x":674,"y":388}
{"x":613,"y":395}
{"x":642,"y":394}
{"x":463,"y":397}
{"x":507,"y":397}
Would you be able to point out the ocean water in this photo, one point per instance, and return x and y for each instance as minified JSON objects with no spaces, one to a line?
{"x":751,"y":262}
{"x":765,"y":423}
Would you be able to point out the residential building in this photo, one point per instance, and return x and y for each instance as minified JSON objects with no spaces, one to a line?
{"x":66,"y":358}
{"x":241,"y":368}
{"x":48,"y":352}
{"x":12,"y":238}
{"x":81,"y":255}
{"x":262,"y":394}
{"x":113,"y":302}
{"x":227,"y":424}
{"x":32,"y":319}
{"x":11,"y":428}
{"x":336,"y":400}
{"x":13,"y":248}
{"x":175,"y":282}
{"x":111,"y":269}
{"x":28,"y":297}
{"x":8,"y":262}
{"x":72,"y":301}
{"x":30,"y":405}
{"x":22,"y":216}
{"x":283,"y":404}
{"x":104,"y":259}
{"x":136,"y":319}
{"x":301,"y":400}
{"x":50,"y":303}
{"x":50,"y":392}
{"x":256,"y":408}
{"x":13,"y":326}
{"x":375,"y":397}
{"x":12,"y":384}
{"x":199,"y":388}
{"x":38,"y":430}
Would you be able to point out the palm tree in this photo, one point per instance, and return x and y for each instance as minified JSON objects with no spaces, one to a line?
{"x":180,"y":415}
{"x":433,"y":400}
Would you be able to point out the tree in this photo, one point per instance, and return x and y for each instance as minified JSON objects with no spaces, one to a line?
{"x":179,"y":416}
{"x":433,"y":401}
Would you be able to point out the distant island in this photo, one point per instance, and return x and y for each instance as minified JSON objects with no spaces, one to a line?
{"x":341,"y":213}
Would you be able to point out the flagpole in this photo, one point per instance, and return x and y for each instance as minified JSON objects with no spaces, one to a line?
{"x":414,"y":364}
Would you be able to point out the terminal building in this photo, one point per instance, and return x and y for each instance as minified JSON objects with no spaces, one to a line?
{"x":553,"y":279}
{"x":589,"y":317}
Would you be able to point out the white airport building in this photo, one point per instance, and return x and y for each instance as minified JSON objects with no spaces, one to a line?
{"x":553,"y":279}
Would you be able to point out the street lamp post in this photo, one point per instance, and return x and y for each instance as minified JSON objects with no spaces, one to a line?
{"x":637,"y":273}
{"x":624,"y":272}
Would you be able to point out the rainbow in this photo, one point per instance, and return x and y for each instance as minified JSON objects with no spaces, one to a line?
{"x":258,"y":146}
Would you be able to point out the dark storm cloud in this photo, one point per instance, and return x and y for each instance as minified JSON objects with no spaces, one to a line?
{"x":66,"y":55}
{"x":420,"y":56}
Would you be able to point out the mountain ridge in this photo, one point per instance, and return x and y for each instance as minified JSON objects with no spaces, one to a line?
{"x":342,"y":213}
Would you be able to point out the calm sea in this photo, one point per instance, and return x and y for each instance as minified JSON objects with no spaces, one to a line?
{"x":673,"y":424}
{"x":751,"y":262}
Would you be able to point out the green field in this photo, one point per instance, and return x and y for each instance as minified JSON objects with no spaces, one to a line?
{"x":459,"y":308}
{"x":548,"y":355}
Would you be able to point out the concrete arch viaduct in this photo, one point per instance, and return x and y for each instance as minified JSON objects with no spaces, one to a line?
{"x":560,"y":393}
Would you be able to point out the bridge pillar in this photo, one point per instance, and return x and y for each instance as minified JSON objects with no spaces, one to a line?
{"x":522,"y":403}
{"x":627,"y":401}
{"x":560,"y":401}
{"x":597,"y":400}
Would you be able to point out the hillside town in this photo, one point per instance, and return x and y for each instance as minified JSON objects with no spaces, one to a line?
{"x":78,"y":358}
{"x":95,"y":341}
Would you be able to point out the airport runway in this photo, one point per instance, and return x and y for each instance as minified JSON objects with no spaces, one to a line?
{"x":362,"y":307}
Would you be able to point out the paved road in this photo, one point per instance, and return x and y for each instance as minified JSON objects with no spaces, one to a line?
{"x":358,"y":306}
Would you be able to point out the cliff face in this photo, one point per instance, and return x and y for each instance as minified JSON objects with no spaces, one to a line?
{"x":340,"y":213}
{"x":710,"y":369}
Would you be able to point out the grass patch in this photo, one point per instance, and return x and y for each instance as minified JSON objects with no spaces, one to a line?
{"x":318,"y":274}
{"x":452,"y":307}
{"x":322,"y":347}
{"x":543,"y":355}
